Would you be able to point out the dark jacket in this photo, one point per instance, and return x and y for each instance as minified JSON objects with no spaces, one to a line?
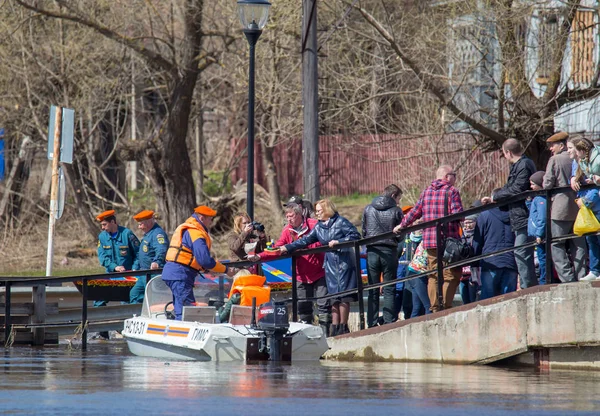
{"x":517,"y":182}
{"x":493,"y":233}
{"x":379,"y":217}
{"x":340,"y":265}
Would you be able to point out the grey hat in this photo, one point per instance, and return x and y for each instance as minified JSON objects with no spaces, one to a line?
{"x":538,"y":177}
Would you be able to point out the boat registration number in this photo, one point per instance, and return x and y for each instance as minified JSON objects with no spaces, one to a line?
{"x":135,"y":327}
{"x":199,"y":334}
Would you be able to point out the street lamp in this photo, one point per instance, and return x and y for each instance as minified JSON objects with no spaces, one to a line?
{"x":253,"y":17}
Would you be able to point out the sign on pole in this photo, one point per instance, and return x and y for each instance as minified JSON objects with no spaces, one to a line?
{"x":66,"y":135}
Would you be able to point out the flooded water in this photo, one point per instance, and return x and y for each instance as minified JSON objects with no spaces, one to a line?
{"x":108,"y":380}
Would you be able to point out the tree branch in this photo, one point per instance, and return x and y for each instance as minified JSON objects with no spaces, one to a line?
{"x":153,"y":58}
{"x":430,"y":83}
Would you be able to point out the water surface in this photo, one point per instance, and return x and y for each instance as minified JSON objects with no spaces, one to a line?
{"x":108,"y":380}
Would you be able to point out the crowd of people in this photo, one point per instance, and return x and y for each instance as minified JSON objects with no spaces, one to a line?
{"x":575,"y":161}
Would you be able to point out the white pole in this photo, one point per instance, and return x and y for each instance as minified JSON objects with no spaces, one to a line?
{"x":133,"y":163}
{"x":38,"y":293}
{"x":54,"y":189}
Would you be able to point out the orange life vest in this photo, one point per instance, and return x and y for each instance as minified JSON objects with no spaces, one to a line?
{"x":251,"y":286}
{"x":179,"y":253}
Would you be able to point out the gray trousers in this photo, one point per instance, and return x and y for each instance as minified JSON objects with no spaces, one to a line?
{"x":577,"y":248}
{"x":524,"y":259}
{"x":316,"y":289}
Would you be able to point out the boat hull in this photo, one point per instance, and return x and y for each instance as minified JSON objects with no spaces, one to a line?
{"x":168,"y":339}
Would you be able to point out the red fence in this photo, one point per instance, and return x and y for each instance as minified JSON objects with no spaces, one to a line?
{"x":366,"y":164}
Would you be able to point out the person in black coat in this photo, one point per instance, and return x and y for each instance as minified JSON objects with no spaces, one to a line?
{"x":380,"y":217}
{"x":518,"y":182}
{"x":341,"y":271}
{"x":493,"y":233}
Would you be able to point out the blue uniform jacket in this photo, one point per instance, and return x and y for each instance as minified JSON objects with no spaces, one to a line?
{"x":493,"y":233}
{"x":120,"y":250}
{"x":177,"y":271}
{"x":153,"y":248}
{"x":536,"y":226}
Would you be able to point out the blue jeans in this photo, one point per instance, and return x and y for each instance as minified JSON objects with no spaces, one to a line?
{"x":540,"y":249}
{"x":496,"y":282}
{"x":594,"y":252}
{"x":468,"y":291}
{"x":420,"y":299}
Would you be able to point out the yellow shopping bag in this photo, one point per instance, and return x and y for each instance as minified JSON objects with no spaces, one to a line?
{"x":586,"y":222}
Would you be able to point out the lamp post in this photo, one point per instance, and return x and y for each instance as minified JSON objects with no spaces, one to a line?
{"x":253,"y":17}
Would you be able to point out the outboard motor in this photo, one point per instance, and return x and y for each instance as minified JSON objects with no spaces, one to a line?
{"x":273,"y":320}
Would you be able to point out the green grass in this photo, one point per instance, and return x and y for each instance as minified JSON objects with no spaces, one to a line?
{"x":213,"y":183}
{"x":56,"y":272}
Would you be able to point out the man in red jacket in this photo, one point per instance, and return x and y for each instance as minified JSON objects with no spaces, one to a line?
{"x":310,"y":275}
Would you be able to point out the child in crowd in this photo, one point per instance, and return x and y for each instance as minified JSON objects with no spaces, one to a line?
{"x":415,"y":262}
{"x":536,"y":225}
{"x":469,"y":284}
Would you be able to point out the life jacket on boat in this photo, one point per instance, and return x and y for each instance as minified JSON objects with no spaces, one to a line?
{"x":179,"y":253}
{"x":251,"y":286}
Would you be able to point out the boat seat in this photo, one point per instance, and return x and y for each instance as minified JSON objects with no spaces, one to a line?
{"x":240,"y":315}
{"x":158,"y":310}
{"x":202,"y":314}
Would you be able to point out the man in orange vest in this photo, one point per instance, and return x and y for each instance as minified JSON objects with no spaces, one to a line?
{"x":189,"y":254}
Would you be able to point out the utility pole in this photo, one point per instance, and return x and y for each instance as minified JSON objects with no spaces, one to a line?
{"x":310,"y":100}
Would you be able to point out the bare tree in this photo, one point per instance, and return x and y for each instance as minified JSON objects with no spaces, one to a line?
{"x":172,"y":48}
{"x":517,"y":50}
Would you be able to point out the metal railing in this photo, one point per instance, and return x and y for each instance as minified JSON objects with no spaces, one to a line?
{"x":10,"y":282}
{"x":438,"y":224}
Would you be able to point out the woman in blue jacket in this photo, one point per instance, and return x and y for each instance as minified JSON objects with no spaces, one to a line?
{"x":340,"y":265}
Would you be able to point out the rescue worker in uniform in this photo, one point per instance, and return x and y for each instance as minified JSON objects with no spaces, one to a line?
{"x":189,"y":254}
{"x":117,"y":250}
{"x":118,"y":247}
{"x":152,"y":253}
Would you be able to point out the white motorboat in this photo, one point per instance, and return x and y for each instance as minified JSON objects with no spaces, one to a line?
{"x":197,"y":337}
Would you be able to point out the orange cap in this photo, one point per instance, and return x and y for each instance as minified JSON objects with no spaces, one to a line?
{"x":104,"y":215}
{"x":144,"y":215}
{"x":206,"y":211}
{"x":406,"y":208}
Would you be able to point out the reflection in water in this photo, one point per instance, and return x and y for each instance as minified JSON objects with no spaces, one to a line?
{"x":107,"y":379}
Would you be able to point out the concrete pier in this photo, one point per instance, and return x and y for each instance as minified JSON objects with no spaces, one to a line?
{"x":552,"y":326}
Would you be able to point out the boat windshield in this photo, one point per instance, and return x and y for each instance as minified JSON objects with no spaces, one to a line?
{"x":158,"y":294}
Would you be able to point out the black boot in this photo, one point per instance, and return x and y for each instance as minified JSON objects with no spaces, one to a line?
{"x":334,"y":330}
{"x":325,"y":328}
{"x":344,"y":329}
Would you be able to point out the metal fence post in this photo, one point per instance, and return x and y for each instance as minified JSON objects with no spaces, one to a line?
{"x":439,"y":242}
{"x":221,"y":291}
{"x":84,"y":332}
{"x":7,"y":325}
{"x":548,"y":243}
{"x":359,"y":285}
{"x":294,"y":291}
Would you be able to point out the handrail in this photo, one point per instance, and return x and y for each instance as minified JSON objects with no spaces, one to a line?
{"x":548,"y":193}
{"x":10,"y":281}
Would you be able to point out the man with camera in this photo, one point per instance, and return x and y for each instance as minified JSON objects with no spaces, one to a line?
{"x":247,"y":238}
